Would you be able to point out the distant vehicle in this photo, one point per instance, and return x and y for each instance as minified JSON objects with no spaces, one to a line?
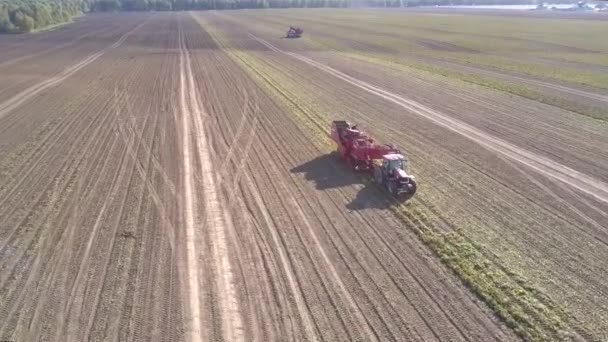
{"x":294,"y":32}
{"x":385,"y":162}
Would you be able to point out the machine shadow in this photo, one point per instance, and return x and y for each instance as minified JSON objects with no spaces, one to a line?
{"x":328,"y":172}
{"x":369,"y":197}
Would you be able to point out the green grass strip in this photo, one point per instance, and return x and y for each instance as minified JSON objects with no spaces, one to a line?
{"x":599,"y":113}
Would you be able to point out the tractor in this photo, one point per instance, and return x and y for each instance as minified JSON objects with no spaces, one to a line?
{"x":385,"y":162}
{"x":389,"y":173}
{"x":294,"y":32}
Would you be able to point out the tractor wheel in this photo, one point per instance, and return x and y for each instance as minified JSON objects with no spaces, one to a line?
{"x":391,"y":188}
{"x":408,"y":195}
{"x":377,"y":176}
{"x":412,"y":189}
{"x":353,"y":163}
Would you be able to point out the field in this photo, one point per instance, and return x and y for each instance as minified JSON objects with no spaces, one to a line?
{"x":168,"y":176}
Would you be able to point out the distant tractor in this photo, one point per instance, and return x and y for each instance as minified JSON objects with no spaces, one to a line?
{"x":294,"y":32}
{"x":385,"y":162}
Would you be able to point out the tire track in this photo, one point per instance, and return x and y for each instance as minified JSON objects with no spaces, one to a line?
{"x":93,"y":234}
{"x":196,"y":334}
{"x":76,"y":41}
{"x":100,"y":160}
{"x":405,"y":291}
{"x":67,"y":161}
{"x":360,"y":46}
{"x":67,"y":165}
{"x":371,"y":335}
{"x":148,"y":149}
{"x":14,"y":102}
{"x":522,"y":212}
{"x":40,"y":182}
{"x":558,"y":87}
{"x":216,"y":219}
{"x":236,"y":152}
{"x":368,"y":251}
{"x":363,"y":323}
{"x":85,"y":151}
{"x":41,"y":155}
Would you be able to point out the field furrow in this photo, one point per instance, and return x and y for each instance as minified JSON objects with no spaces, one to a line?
{"x":169,"y":177}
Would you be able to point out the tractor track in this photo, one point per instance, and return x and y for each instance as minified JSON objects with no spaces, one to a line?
{"x":78,"y":41}
{"x":569,"y":176}
{"x":171,"y":185}
{"x":18,"y":99}
{"x":326,"y":30}
{"x":89,"y":175}
{"x":535,"y":218}
{"x":346,"y":319}
{"x":558,"y":244}
{"x":378,"y":258}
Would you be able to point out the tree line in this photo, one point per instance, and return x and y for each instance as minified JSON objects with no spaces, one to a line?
{"x":29,"y":15}
{"x":181,"y":5}
{"x":184,"y":5}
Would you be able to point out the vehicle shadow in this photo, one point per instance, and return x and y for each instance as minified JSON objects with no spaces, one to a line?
{"x":369,"y":197}
{"x":328,"y":172}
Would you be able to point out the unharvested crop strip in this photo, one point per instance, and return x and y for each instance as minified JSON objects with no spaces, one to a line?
{"x":506,"y":84}
{"x":479,"y":77}
{"x":493,"y":61}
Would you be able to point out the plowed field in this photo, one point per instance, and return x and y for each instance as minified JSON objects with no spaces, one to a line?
{"x":168,"y":177}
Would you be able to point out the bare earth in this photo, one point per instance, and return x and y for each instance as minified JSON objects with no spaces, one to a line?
{"x":152,"y":188}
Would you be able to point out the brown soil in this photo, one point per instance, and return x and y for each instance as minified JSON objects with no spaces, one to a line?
{"x":150,"y":189}
{"x":517,"y":210}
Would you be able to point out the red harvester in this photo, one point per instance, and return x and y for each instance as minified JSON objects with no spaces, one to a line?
{"x":384,"y":162}
{"x":294,"y":32}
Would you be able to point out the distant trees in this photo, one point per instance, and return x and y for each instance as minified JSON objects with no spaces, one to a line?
{"x":184,"y":5}
{"x":6,"y":25}
{"x":28,"y":15}
{"x":106,"y":6}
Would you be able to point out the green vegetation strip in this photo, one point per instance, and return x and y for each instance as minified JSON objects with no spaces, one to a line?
{"x":600,"y":113}
{"x":523,"y":308}
{"x":507,"y":87}
{"x":498,"y":45}
{"x":402,"y":63}
{"x":526,"y":310}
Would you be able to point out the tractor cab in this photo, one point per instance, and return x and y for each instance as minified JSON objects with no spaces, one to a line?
{"x":391,"y":175}
{"x":294,"y":32}
{"x":393,"y":161}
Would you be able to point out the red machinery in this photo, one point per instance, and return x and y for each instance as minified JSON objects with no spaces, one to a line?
{"x":294,"y":32}
{"x":385,"y":162}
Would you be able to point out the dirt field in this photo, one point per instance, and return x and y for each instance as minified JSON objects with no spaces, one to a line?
{"x":168,"y":177}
